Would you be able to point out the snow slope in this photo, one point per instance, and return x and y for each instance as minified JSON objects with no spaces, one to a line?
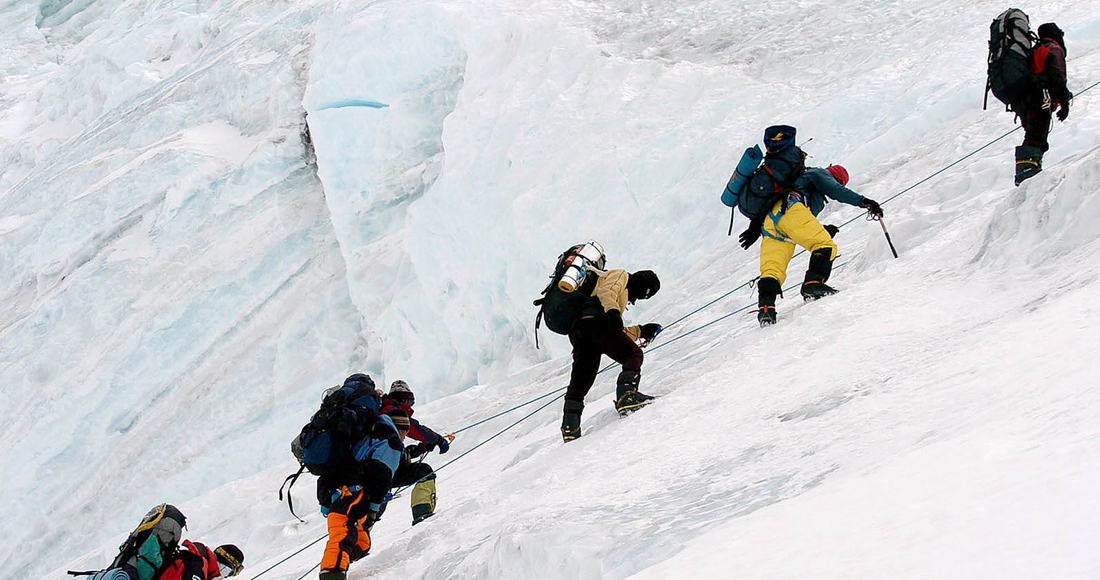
{"x":169,"y":248}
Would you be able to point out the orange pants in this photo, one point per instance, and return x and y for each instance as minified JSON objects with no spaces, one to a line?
{"x":348,"y":540}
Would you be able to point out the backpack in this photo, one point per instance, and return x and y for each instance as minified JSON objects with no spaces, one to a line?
{"x":1010,"y":45}
{"x":570,"y":288}
{"x":148,"y":550}
{"x":783,"y":164}
{"x":348,"y":413}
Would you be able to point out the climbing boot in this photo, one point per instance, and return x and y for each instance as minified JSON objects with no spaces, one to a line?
{"x":1029,"y":162}
{"x":333,"y":575}
{"x":769,"y":289}
{"x":821,"y":266}
{"x":632,"y":401}
{"x":571,"y":420}
{"x":421,"y":512}
{"x":627,"y":397}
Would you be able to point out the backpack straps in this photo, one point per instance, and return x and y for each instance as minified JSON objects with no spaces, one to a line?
{"x":538,"y":321}
{"x":291,"y":479}
{"x":542,"y":300}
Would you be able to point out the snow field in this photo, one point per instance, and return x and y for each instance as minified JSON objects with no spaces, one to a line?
{"x":904,"y":426}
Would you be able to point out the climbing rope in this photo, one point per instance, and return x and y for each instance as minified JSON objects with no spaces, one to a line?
{"x":560,"y":390}
{"x":295,"y":553}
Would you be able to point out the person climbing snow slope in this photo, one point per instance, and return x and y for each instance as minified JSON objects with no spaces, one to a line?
{"x":398,"y":404}
{"x":598,"y":331}
{"x":1046,"y":94}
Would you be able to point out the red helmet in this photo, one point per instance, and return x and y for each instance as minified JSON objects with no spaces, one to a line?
{"x":839,"y":173}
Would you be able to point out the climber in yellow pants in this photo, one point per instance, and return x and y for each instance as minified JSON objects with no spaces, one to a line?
{"x":782,"y":230}
{"x":797,"y":224}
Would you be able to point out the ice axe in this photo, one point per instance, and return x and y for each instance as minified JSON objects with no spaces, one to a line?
{"x":887,"y":234}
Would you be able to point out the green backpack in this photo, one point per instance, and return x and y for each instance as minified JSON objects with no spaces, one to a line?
{"x":148,"y":549}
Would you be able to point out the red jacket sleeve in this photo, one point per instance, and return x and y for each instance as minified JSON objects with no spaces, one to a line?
{"x":422,"y":433}
{"x":1055,"y":71}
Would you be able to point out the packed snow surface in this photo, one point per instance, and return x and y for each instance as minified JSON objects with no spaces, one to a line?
{"x":185,"y":266}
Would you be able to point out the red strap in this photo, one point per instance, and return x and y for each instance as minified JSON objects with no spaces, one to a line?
{"x":1039,"y":59}
{"x":775,"y":180}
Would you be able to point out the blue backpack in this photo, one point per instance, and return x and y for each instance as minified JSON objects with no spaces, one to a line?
{"x":325,"y":445}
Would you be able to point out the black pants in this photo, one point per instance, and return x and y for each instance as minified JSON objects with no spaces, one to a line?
{"x":409,"y":472}
{"x":591,"y":339}
{"x":1035,"y":120}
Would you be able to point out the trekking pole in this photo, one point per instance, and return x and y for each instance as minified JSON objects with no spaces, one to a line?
{"x":733,"y":214}
{"x":888,"y":240}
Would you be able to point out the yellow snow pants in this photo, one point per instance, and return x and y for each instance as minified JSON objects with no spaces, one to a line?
{"x":782,"y":230}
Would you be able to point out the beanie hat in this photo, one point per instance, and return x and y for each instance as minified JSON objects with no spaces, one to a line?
{"x":400,"y":419}
{"x":643,"y":284}
{"x":778,"y":137}
{"x":360,"y":379}
{"x":231,"y":556}
{"x":1050,"y":30}
{"x":839,"y":173}
{"x":400,"y":391}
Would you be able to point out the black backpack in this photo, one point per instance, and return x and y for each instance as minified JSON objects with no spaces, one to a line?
{"x":149,"y":549}
{"x":771,"y":181}
{"x":348,"y":413}
{"x":561,"y":309}
{"x":1010,"y":46}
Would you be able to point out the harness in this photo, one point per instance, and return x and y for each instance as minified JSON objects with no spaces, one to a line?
{"x":778,"y":211}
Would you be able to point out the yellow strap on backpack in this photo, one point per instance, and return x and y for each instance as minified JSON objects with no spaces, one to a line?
{"x":156,"y":514}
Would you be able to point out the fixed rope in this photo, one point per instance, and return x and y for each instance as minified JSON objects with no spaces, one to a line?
{"x":559,"y":391}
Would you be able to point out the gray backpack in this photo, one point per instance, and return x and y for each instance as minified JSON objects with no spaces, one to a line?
{"x":1010,"y":45}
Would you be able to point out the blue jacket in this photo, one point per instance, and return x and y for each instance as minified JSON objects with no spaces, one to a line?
{"x":816,"y":187}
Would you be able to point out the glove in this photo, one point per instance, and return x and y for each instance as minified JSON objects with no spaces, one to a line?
{"x":414,"y":451}
{"x":833,"y":230}
{"x":444,"y":445}
{"x":1063,"y":109}
{"x":749,"y":237}
{"x":872,"y":207}
{"x":614,"y":320}
{"x":649,"y":331}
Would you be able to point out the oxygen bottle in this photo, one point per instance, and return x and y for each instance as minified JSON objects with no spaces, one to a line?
{"x":589,"y":255}
{"x":750,"y":160}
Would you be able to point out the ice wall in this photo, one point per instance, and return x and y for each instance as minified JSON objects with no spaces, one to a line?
{"x":170,"y":277}
{"x":382,"y":80}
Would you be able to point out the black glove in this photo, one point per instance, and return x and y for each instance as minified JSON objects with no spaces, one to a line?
{"x":833,"y":230}
{"x":649,"y":331}
{"x":414,"y":451}
{"x":1063,"y":108}
{"x":614,"y":320}
{"x":872,"y":207}
{"x":749,"y":237}
{"x":371,"y":518}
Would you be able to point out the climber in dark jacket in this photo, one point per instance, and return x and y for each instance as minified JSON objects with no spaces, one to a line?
{"x":1046,"y":93}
